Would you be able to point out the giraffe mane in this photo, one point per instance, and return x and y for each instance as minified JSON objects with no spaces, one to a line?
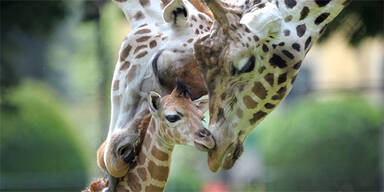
{"x":182,"y":89}
{"x":142,"y":130}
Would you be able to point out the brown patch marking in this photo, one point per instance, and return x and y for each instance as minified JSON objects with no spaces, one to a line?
{"x":142,"y":54}
{"x":116,"y":85}
{"x":249,"y":102}
{"x":153,"y":188}
{"x":142,"y":31}
{"x":125,"y":52}
{"x":269,"y":78}
{"x":158,"y":172}
{"x":269,"y":105}
{"x":152,"y":44}
{"x":143,"y":38}
{"x":140,"y":47}
{"x":147,"y":142}
{"x":134,"y":183}
{"x":131,"y":74}
{"x":158,"y":154}
{"x":125,"y":65}
{"x":139,"y":15}
{"x":259,"y":90}
{"x":142,"y":173}
{"x":141,"y":159}
{"x":257,"y":116}
{"x":145,"y":3}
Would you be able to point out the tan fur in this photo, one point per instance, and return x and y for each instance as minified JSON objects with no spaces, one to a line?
{"x":196,"y":3}
{"x":154,"y":160}
{"x":190,"y":73}
{"x":97,"y":186}
{"x":199,"y":6}
{"x":100,"y":156}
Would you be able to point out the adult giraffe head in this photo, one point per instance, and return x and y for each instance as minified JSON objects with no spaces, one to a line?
{"x":250,"y":60}
{"x":152,"y":55}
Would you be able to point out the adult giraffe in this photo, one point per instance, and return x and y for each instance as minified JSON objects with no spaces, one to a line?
{"x":151,"y":56}
{"x":249,"y":60}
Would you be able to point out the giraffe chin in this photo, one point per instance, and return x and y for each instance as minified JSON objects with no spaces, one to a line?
{"x":214,"y":163}
{"x":216,"y":157}
{"x":226,"y":159}
{"x":231,"y":158}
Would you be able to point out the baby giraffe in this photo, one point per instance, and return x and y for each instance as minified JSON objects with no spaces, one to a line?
{"x":173,"y":119}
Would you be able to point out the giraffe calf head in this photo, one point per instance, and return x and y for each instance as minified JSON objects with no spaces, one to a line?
{"x":180,"y":118}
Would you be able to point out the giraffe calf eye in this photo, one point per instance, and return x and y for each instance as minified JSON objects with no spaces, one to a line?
{"x":172,"y":118}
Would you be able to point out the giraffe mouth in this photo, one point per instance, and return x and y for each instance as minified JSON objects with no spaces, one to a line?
{"x":204,"y":140}
{"x":201,"y":147}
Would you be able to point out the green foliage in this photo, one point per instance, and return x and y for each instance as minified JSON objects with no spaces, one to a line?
{"x":323,"y":146}
{"x":184,"y":175}
{"x":36,"y":16}
{"x":22,"y":21}
{"x":37,"y":145}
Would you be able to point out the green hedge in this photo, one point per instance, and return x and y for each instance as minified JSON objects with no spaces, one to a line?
{"x":38,"y":150}
{"x":327,"y":146}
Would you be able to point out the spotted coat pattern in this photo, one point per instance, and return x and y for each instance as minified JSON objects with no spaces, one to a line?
{"x":151,"y":56}
{"x":248,"y":75}
{"x":242,"y":92}
{"x":259,"y":85}
{"x":134,"y":76}
{"x":153,"y":162}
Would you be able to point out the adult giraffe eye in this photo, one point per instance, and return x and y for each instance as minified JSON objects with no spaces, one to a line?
{"x":249,"y":66}
{"x":172,"y":118}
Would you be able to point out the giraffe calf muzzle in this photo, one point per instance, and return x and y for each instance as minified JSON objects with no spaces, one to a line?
{"x":204,"y":140}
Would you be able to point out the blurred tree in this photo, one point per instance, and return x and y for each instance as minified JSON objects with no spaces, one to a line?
{"x":38,"y":148}
{"x":330,"y":146}
{"x":92,"y":12}
{"x":25,"y":28}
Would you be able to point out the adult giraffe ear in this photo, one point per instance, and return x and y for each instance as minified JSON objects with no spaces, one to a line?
{"x":154,"y":103}
{"x":176,"y":12}
{"x":202,"y":103}
{"x":263,"y":22}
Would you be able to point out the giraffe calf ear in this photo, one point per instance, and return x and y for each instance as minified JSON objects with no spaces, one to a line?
{"x":176,"y":12}
{"x":263,"y":22}
{"x":202,"y":103}
{"x":154,"y":102}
